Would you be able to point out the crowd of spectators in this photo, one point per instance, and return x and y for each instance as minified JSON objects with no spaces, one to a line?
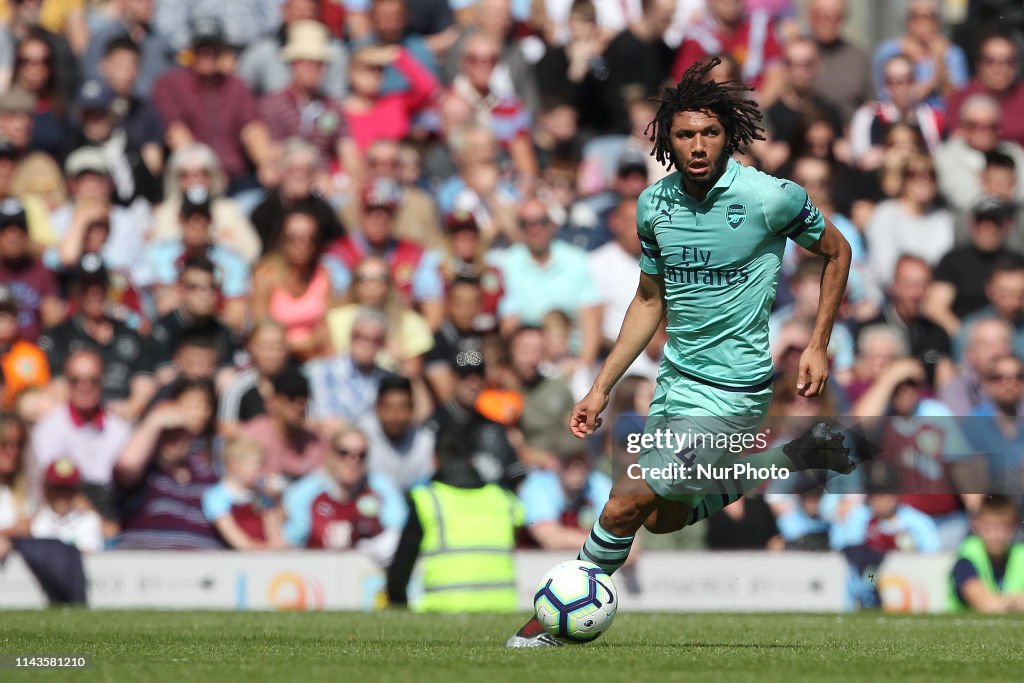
{"x":256,"y":254}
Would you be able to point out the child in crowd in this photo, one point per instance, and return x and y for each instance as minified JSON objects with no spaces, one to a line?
{"x":244,"y":507}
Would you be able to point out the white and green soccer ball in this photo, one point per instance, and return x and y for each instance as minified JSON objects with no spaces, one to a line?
{"x":576,"y":601}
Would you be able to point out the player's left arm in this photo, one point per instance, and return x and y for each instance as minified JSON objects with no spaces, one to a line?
{"x":834,"y":248}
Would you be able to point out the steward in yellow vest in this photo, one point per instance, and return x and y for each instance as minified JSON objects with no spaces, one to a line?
{"x":463,"y":531}
{"x":989,"y":572}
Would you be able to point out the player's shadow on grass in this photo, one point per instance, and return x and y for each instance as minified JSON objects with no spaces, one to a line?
{"x":698,"y":644}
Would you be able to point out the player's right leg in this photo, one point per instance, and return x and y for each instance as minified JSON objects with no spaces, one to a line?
{"x":630,"y":503}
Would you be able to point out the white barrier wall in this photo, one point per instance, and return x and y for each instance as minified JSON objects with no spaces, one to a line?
{"x":667,"y":581}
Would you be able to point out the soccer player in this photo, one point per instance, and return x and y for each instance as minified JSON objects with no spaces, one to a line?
{"x":713,"y":234}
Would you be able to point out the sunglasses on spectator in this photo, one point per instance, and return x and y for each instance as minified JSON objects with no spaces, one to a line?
{"x":371,"y":338}
{"x":33,"y":60}
{"x":988,"y":60}
{"x":1008,"y":377}
{"x":477,"y":58}
{"x":920,"y":173}
{"x":535,"y":222}
{"x":349,"y":453}
{"x":372,"y":277}
{"x":78,"y":380}
{"x":979,"y":125}
{"x":924,"y":14}
{"x":899,"y":81}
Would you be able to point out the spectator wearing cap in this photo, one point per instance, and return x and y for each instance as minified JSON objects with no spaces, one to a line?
{"x":495,"y":459}
{"x":194,"y":316}
{"x":563,"y":504}
{"x":163,"y":472}
{"x":960,"y":160}
{"x":62,"y":515}
{"x":185,"y":97}
{"x":416,"y":218}
{"x":291,"y":448}
{"x":22,"y":363}
{"x":35,"y":72}
{"x":196,"y":164}
{"x":588,"y":224}
{"x":414,"y":270}
{"x":344,"y":386}
{"x":159,"y":268}
{"x":373,"y":115}
{"x":409,"y":335}
{"x":342,"y":507}
{"x":962,"y":275}
{"x":153,"y":53}
{"x":400,"y":448}
{"x":91,"y":189}
{"x":302,"y":173}
{"x":83,"y":431}
{"x":127,"y":363}
{"x":293,"y":286}
{"x":457,"y":336}
{"x":243,"y":398}
{"x":543,"y":274}
{"x":263,"y":66}
{"x":467,"y":259}
{"x":101,"y":127}
{"x":33,"y":285}
{"x":16,"y":107}
{"x":998,"y":67}
{"x":301,"y":109}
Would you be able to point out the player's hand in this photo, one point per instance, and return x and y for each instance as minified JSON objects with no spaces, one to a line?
{"x":585,"y":415}
{"x":813,"y":373}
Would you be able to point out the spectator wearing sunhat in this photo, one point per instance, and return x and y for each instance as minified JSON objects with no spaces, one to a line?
{"x":185,"y":97}
{"x":64,"y":514}
{"x":91,"y":188}
{"x":156,"y":272}
{"x":415,"y":272}
{"x":262,"y":64}
{"x":16,"y":107}
{"x":128,"y":368}
{"x":22,"y":363}
{"x":33,"y":285}
{"x":302,"y":109}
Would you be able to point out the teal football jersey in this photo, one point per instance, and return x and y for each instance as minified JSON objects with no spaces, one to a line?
{"x":720,"y":260}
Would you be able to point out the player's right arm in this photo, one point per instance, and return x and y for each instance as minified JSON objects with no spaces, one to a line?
{"x":638,"y":328}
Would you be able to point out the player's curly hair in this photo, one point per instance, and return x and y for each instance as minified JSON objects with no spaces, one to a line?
{"x":696,"y":92}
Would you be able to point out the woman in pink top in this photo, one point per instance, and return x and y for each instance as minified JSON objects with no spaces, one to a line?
{"x":372,"y":116}
{"x":292,"y":287}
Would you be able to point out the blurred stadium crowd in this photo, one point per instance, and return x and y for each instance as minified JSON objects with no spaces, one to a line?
{"x":256,"y":254}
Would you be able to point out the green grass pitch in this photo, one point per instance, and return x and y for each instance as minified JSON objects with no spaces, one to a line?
{"x":193,"y":647}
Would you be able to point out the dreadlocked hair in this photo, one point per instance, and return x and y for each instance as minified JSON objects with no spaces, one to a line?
{"x":696,"y":92}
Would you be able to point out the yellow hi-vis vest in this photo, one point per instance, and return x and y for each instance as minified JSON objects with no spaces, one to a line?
{"x":973,"y":549}
{"x":466,"y":552}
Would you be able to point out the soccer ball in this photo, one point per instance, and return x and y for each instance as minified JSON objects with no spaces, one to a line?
{"x":576,"y":601}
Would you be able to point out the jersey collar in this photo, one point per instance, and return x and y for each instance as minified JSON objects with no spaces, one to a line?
{"x":722,"y":184}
